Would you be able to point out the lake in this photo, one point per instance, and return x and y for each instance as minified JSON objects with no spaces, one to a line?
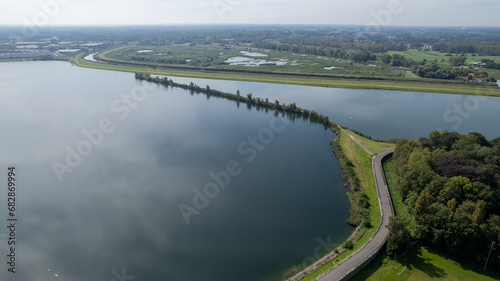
{"x":378,"y":113}
{"x":120,"y":178}
{"x":161,"y":184}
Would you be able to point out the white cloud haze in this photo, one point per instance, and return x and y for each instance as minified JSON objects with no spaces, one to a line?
{"x":361,"y":12}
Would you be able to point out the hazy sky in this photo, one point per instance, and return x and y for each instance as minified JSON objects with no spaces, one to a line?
{"x":360,"y":12}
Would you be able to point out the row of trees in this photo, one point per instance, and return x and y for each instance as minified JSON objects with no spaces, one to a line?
{"x":486,"y":49}
{"x":291,"y":108}
{"x":339,"y":53}
{"x":450,"y":183}
{"x":362,"y":56}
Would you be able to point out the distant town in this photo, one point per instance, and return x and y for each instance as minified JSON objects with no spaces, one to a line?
{"x":45,"y":49}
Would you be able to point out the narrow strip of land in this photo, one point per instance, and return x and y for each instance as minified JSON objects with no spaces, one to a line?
{"x":298,"y":80}
{"x":373,"y":246}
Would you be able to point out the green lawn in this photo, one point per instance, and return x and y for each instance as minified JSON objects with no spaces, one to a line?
{"x":423,"y":264}
{"x":432,"y":55}
{"x":419,"y":56}
{"x":363,"y":164}
{"x":374,"y":146}
{"x":397,"y":202}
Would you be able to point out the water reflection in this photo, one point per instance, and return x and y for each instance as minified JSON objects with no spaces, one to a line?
{"x":119,"y":207}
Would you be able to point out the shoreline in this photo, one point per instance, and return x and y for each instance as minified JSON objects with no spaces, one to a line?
{"x":440,"y":88}
{"x":376,"y":219}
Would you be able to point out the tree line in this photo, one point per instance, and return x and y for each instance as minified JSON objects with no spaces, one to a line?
{"x":291,"y":108}
{"x":450,"y":183}
{"x":484,"y":49}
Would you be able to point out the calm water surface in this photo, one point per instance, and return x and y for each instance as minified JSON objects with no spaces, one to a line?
{"x":117,"y":211}
{"x":378,"y":113}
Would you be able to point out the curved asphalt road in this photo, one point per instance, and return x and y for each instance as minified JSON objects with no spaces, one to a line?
{"x":373,"y":246}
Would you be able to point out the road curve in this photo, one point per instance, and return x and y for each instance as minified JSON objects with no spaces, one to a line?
{"x":344,"y":269}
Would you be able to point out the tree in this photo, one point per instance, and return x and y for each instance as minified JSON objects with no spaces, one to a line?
{"x":457,"y":61}
{"x":440,"y":47}
{"x":386,"y":58}
{"x":399,"y":237}
{"x":397,"y":60}
{"x":421,"y":224}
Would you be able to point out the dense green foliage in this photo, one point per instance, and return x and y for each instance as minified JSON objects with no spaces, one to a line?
{"x":451,"y":185}
{"x":491,"y":64}
{"x":399,"y":237}
{"x":435,"y":70}
{"x":485,"y":49}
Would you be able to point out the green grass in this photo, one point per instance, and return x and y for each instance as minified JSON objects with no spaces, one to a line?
{"x":363,"y":164}
{"x":397,"y":202}
{"x":318,"y":82}
{"x":432,"y":55}
{"x":419,"y":56}
{"x":422,"y":264}
{"x":374,"y":146}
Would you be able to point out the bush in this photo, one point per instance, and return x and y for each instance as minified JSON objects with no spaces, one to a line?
{"x":367,"y":224}
{"x":348,"y":245}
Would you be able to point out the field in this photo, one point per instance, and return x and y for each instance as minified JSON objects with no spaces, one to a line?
{"x":440,"y":58}
{"x":214,"y":57}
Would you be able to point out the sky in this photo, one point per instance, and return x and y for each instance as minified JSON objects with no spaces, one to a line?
{"x":159,"y":12}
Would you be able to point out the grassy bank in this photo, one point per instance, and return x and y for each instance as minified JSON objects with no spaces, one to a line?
{"x":423,"y":264}
{"x":362,"y":162}
{"x":306,"y":81}
{"x":397,"y":202}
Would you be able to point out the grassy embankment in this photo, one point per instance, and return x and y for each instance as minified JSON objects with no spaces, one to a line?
{"x":397,"y":201}
{"x":363,"y":168}
{"x":306,"y":81}
{"x":421,"y":263}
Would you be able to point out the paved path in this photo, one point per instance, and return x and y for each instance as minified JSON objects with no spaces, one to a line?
{"x":373,"y":246}
{"x":362,"y":146}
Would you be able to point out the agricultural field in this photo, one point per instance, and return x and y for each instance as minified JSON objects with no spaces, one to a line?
{"x":439,"y":57}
